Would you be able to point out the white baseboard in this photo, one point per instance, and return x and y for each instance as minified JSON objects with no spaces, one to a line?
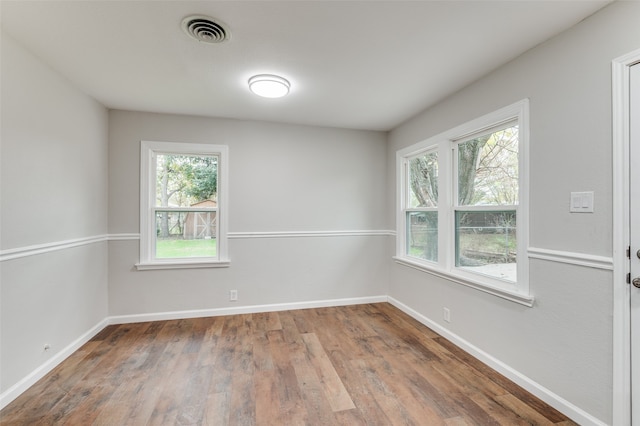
{"x":252,"y":309}
{"x":14,"y":391}
{"x":575,"y":413}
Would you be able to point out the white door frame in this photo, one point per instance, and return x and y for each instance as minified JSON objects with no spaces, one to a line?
{"x":621,"y":290}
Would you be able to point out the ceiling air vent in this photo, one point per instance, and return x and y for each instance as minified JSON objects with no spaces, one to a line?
{"x":204,"y":29}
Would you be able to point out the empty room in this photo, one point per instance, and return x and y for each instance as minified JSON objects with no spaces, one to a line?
{"x":320,"y":212}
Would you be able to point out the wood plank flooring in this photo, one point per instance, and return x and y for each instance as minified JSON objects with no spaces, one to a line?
{"x":353,"y":365}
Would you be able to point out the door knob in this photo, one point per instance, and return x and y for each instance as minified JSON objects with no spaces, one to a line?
{"x":636,"y":282}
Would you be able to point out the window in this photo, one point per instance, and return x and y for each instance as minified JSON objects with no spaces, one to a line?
{"x":183,"y":205}
{"x":462,"y":204}
{"x":422,"y":208}
{"x":486,"y":168}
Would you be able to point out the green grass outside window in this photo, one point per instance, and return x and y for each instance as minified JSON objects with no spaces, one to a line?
{"x":170,"y":248}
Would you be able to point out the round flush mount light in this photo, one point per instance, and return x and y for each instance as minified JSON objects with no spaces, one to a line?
{"x":269,"y":86}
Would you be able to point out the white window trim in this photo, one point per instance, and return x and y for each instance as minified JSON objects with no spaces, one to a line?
{"x":147,"y":205}
{"x":445,"y":267}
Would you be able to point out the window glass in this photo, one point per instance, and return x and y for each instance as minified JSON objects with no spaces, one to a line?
{"x":488,"y":169}
{"x":186,"y":234}
{"x":189,"y":181}
{"x":422,"y":213}
{"x":185,"y":180}
{"x":422,"y":233}
{"x":488,"y":176}
{"x":423,"y":179}
{"x":486,"y":243}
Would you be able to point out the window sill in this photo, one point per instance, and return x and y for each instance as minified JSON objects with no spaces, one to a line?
{"x":522,"y":299}
{"x":147,"y":266}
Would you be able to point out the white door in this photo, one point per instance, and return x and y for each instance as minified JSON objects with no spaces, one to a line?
{"x":634,"y":215}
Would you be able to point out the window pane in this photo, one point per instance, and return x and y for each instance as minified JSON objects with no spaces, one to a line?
{"x":488,"y":169}
{"x":186,"y":181}
{"x":486,"y":243}
{"x":186,"y":234}
{"x":423,"y":180}
{"x":422,"y":235}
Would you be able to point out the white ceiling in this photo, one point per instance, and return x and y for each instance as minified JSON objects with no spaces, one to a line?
{"x":353,"y":64}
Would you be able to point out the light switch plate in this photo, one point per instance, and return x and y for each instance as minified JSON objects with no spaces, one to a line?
{"x":581,"y":202}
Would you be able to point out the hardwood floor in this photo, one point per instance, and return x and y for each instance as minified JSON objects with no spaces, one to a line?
{"x":353,"y":365}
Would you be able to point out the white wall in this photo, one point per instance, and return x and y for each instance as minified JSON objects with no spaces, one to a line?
{"x":54,"y":189}
{"x":282,"y":178}
{"x":564,"y":342}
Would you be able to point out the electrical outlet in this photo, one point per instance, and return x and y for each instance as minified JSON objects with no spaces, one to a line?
{"x":446,"y":314}
{"x":233,"y":295}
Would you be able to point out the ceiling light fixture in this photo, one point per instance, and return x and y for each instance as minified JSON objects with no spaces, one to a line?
{"x":269,"y":86}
